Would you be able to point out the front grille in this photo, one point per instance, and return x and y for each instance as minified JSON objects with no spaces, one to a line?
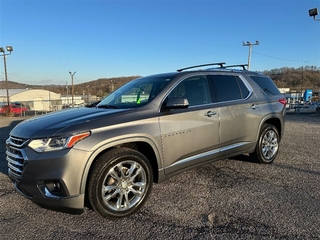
{"x":17,"y":142}
{"x":15,"y":155}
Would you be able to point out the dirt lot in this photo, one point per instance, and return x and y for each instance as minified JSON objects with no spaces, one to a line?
{"x":228,"y":199}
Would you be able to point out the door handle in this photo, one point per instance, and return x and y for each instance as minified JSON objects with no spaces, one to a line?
{"x":210,"y":113}
{"x":254,"y":106}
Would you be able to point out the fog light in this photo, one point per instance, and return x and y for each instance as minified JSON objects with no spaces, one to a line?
{"x":53,"y":186}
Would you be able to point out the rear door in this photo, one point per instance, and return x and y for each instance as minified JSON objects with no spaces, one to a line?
{"x":269,"y":95}
{"x":240,"y":113}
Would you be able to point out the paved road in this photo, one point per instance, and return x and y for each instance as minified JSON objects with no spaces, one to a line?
{"x":229,"y":199}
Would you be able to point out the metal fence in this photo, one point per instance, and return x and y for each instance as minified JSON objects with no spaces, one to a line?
{"x":33,"y":108}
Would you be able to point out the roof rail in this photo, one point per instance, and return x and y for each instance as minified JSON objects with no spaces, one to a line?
{"x":238,"y":65}
{"x":209,"y":64}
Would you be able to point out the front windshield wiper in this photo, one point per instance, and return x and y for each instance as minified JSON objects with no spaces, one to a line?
{"x":107,"y":106}
{"x":91,"y":105}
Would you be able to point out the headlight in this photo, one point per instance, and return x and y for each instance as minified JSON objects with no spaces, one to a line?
{"x":57,"y":143}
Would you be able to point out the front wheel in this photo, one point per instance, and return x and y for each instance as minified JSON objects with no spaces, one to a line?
{"x":268,"y":145}
{"x":119,"y":183}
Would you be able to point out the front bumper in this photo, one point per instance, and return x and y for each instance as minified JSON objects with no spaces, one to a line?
{"x":74,"y":202}
{"x":52,"y":179}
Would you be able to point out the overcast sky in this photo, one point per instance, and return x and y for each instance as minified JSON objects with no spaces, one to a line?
{"x":114,"y":38}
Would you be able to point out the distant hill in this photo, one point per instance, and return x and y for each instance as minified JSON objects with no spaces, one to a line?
{"x":301,"y":78}
{"x":99,"y":87}
{"x":11,"y":85}
{"x":307,"y":77}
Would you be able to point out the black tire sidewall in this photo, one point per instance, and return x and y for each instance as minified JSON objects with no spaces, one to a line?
{"x":259,"y":153}
{"x":102,"y":167}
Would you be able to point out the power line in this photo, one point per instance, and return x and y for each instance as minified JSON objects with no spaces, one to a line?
{"x":283,"y":59}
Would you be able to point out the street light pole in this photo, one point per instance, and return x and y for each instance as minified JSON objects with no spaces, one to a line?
{"x":72,"y":88}
{"x":250,"y":50}
{"x":112,"y":82}
{"x":9,"y":49}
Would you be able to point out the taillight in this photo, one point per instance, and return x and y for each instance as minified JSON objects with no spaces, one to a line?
{"x":283,"y":101}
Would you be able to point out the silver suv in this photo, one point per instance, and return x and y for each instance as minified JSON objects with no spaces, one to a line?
{"x":148,"y":130}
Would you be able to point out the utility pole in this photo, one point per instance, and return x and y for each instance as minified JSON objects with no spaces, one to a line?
{"x":4,"y":54}
{"x":72,"y":88}
{"x":250,"y":50}
{"x":67,"y":91}
{"x":112,"y":84}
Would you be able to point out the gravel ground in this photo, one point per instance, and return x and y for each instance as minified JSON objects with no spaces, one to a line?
{"x":229,"y":199}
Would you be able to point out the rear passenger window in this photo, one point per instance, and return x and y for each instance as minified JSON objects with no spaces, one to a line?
{"x":229,"y":88}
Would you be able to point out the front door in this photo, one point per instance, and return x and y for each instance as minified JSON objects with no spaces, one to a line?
{"x":190,"y":134}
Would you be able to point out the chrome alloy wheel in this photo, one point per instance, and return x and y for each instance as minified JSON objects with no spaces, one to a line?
{"x":124,"y":186}
{"x":269,"y":144}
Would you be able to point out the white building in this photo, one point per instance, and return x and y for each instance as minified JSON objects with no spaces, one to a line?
{"x":67,"y":100}
{"x":36,"y":99}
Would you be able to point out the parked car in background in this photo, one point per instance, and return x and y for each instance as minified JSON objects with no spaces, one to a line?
{"x":15,"y":110}
{"x":21,"y":105}
{"x":111,"y":152}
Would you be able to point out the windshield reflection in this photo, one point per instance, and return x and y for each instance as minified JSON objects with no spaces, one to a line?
{"x":135,"y":93}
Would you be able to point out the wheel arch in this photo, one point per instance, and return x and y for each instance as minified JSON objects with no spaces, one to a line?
{"x":275,"y":121}
{"x":142,"y":145}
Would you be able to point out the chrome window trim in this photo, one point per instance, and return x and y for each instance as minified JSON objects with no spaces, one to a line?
{"x":244,"y":82}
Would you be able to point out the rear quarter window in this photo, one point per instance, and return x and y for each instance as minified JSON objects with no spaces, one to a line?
{"x":266,"y":84}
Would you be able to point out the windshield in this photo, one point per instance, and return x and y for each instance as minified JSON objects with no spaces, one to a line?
{"x":135,"y":93}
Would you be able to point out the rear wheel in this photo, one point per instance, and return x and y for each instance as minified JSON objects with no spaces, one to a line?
{"x":119,"y":183}
{"x":268,"y":145}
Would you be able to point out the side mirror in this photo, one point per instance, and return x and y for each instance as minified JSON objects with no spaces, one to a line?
{"x":177,"y":103}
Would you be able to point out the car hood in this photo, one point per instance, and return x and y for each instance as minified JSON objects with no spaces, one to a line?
{"x":65,"y":122}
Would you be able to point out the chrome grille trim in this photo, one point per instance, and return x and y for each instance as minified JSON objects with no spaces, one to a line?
{"x":17,"y":142}
{"x":17,"y":163}
{"x":14,"y":170}
{"x":15,"y":155}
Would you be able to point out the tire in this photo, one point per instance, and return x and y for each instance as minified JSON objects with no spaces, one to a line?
{"x":268,"y":145}
{"x":119,"y":183}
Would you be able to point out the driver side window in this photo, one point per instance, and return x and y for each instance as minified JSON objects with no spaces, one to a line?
{"x":194,"y":89}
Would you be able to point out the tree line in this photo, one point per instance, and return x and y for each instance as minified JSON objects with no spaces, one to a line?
{"x":100,"y":87}
{"x":301,"y":78}
{"x":297,"y":79}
